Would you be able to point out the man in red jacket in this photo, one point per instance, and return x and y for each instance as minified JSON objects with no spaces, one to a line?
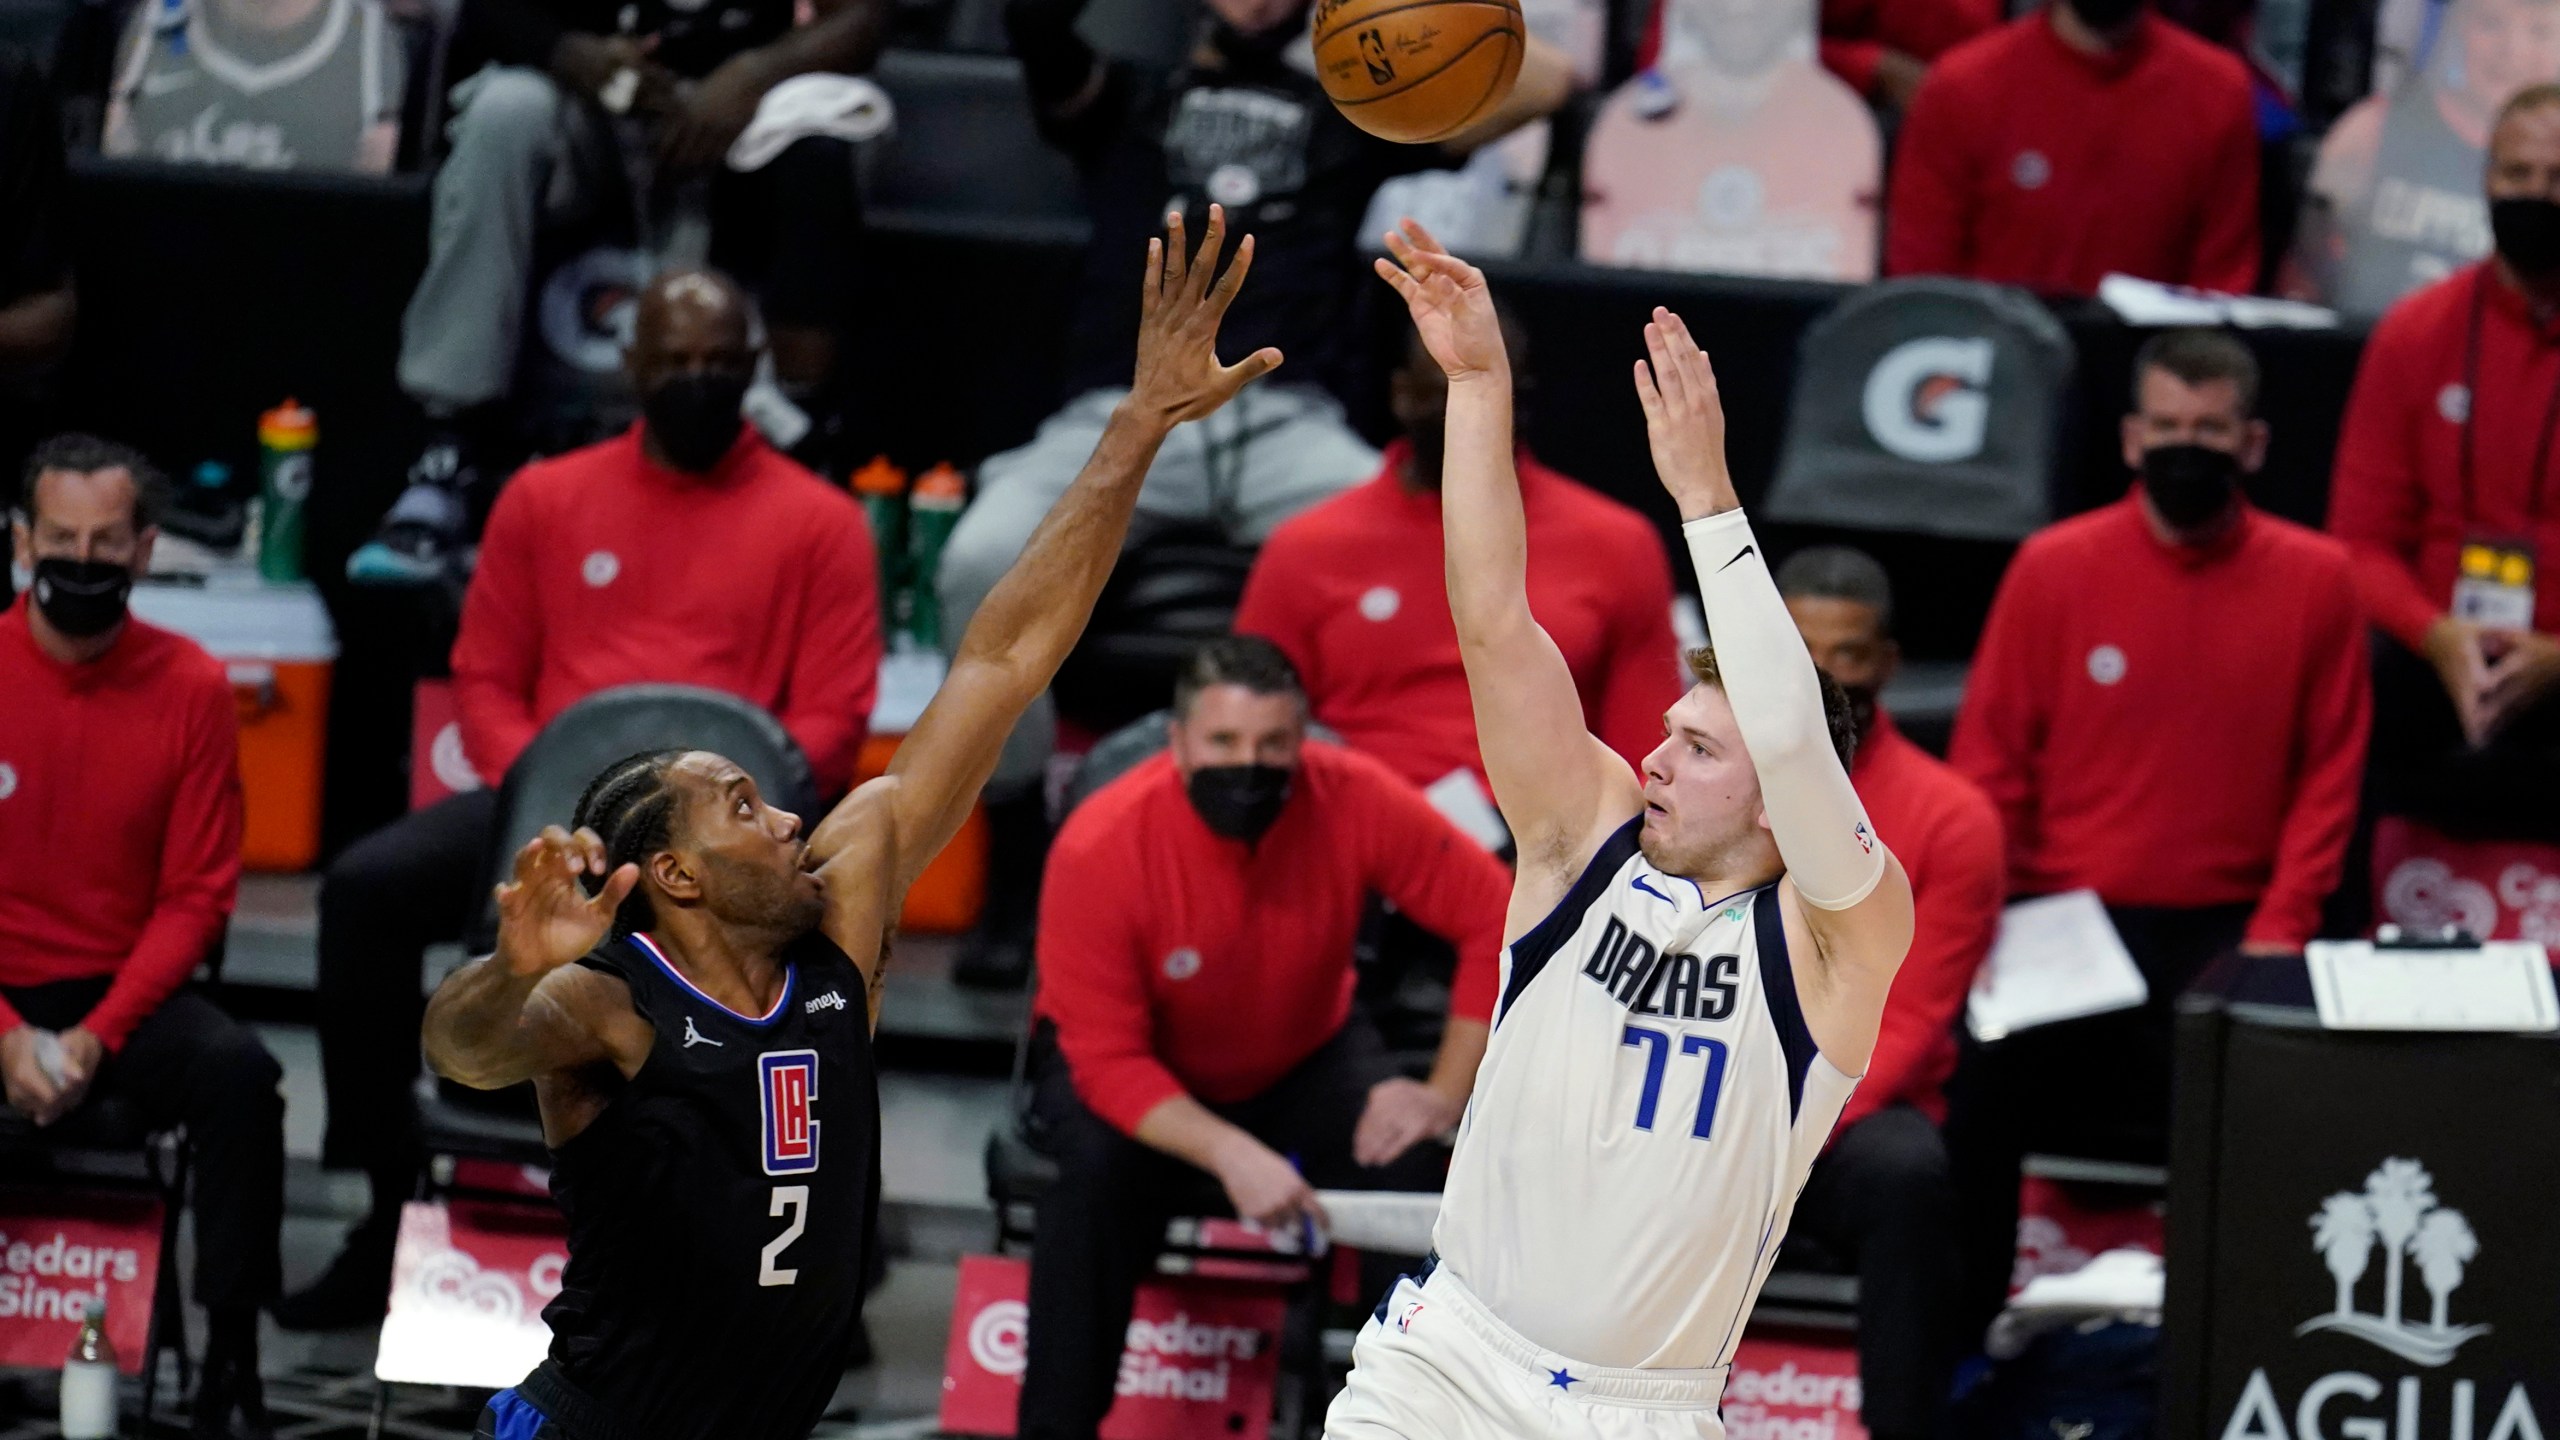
{"x":1352,"y":590}
{"x":685,"y":550}
{"x":1881,"y":1196}
{"x":119,"y":860}
{"x":2444,"y":496}
{"x":1195,"y":1001}
{"x":2169,"y":707}
{"x":2085,"y":137}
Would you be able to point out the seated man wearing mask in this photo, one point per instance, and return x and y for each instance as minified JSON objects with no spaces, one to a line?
{"x":2169,"y":707}
{"x":685,"y":550}
{"x":1195,"y":1001}
{"x":119,"y":860}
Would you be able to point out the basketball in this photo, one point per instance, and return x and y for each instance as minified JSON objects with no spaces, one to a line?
{"x":1416,"y":71}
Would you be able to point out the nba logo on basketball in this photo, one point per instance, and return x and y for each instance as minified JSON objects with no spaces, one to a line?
{"x":790,"y":1085}
{"x":1373,"y":53}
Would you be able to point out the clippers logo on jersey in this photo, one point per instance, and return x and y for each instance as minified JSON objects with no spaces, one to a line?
{"x":789,"y":1081}
{"x":1682,"y":986}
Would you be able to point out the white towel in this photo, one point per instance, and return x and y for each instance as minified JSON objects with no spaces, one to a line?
{"x":846,"y":107}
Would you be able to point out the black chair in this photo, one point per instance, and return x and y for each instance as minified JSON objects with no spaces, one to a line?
{"x":542,"y":788}
{"x":1169,"y":592}
{"x":108,"y":1141}
{"x":966,"y":157}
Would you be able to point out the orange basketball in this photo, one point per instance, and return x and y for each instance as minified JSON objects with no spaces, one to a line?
{"x":1416,"y":71}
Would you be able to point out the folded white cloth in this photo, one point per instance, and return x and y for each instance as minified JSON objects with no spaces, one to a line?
{"x":1390,"y":1222}
{"x":2126,"y":1284}
{"x":845,"y":107}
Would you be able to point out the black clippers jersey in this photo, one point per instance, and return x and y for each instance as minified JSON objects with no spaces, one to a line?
{"x":719,"y":1207}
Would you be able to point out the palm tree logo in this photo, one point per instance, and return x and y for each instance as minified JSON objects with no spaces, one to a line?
{"x":2397,"y":1210}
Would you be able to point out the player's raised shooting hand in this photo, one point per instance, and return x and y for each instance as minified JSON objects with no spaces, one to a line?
{"x":1452,"y":308}
{"x":546,"y":918}
{"x":1179,"y":377}
{"x":1683,"y":418}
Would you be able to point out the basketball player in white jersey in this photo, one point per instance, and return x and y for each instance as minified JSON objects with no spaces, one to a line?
{"x":1696,"y":964}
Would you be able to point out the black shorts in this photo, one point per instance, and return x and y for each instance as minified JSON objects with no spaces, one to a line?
{"x":545,"y":1406}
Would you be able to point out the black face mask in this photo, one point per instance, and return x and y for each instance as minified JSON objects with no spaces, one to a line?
{"x":2104,"y":14}
{"x":2527,"y":231}
{"x":694,"y":417}
{"x":2189,"y":484}
{"x":1240,"y":801}
{"x":81,"y":598}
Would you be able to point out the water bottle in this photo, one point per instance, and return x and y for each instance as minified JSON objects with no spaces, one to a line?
{"x":89,"y":1380}
{"x":286,"y":437}
{"x":882,"y":488}
{"x":932,"y":510}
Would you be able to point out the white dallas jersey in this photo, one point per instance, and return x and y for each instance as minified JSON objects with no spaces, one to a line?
{"x":1643,"y":1122}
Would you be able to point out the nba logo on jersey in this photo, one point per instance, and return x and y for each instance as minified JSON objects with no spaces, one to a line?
{"x":790,"y":1085}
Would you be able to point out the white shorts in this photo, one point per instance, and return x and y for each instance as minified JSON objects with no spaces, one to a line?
{"x":1437,"y":1365}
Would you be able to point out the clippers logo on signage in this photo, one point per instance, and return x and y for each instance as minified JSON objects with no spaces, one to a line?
{"x":1925,"y":399}
{"x":2396,"y":1256}
{"x":788,"y":1086}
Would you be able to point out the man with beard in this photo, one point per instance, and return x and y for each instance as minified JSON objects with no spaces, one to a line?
{"x":2138,"y":154}
{"x":692,"y":987}
{"x":1242,"y":123}
{"x":685,"y":550}
{"x":1881,"y":1197}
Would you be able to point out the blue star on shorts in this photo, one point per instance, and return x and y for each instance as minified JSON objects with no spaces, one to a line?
{"x":1563,"y":1379}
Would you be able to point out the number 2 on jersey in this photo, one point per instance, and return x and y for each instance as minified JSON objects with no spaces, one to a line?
{"x":1657,"y":1058}
{"x":794,"y":1198}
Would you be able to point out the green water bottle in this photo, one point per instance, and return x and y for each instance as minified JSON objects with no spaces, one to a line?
{"x":932,"y":509}
{"x":882,"y":488}
{"x":286,"y":437}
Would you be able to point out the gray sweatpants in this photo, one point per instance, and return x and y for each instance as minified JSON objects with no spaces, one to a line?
{"x":522,"y":149}
{"x":1272,"y":452}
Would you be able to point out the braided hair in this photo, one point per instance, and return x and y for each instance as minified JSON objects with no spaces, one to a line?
{"x":632,"y":808}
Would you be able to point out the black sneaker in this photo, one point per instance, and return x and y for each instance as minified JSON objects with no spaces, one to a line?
{"x":424,"y":534}
{"x":354,"y":1292}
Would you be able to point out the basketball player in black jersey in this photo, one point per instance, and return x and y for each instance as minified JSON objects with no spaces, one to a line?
{"x":692,"y":985}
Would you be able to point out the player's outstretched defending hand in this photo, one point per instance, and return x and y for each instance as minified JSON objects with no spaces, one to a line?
{"x":1451,"y":306}
{"x":1683,"y":417}
{"x":546,"y":919}
{"x":1179,"y":310}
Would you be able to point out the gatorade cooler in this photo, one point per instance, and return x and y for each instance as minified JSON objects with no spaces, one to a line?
{"x":278,"y":645}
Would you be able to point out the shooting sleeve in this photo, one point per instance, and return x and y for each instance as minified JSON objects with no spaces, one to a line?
{"x":1820,"y":825}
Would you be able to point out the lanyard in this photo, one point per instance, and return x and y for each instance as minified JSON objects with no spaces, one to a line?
{"x":2535,"y":482}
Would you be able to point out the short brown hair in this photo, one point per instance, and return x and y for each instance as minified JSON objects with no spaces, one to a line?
{"x":2198,"y":356}
{"x":1835,"y":701}
{"x":80,"y":454}
{"x":2531,"y":97}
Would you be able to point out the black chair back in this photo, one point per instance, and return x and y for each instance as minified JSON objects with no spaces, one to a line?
{"x":543,"y":786}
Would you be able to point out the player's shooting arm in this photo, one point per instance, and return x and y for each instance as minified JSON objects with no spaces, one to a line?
{"x":1026,"y":625}
{"x":1560,"y":790}
{"x":1856,"y":899}
{"x":530,"y":1009}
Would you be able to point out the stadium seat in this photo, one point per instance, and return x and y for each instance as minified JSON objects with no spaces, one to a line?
{"x":542,"y":788}
{"x":966,"y":157}
{"x":1930,"y":407}
{"x":1170,"y":591}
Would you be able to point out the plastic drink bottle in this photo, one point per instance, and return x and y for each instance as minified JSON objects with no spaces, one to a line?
{"x":286,"y":437}
{"x":89,"y":1380}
